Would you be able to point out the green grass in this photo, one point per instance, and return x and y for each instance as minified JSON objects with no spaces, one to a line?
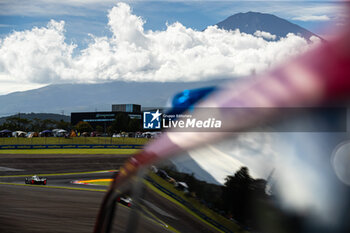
{"x":71,"y":151}
{"x":213,"y":215}
{"x":163,"y":223}
{"x":195,"y":203}
{"x":73,"y":140}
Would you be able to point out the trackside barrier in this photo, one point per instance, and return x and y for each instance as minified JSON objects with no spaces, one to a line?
{"x":188,"y":205}
{"x":70,"y":146}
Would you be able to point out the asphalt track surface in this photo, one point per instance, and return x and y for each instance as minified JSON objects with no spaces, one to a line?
{"x":62,"y":206}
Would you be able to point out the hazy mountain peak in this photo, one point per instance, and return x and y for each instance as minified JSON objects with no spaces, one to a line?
{"x":250,"y":22}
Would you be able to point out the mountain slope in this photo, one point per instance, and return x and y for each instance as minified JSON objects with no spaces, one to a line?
{"x":91,"y":97}
{"x":251,"y":22}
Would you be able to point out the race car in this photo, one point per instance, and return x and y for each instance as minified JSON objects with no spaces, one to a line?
{"x":35,"y":180}
{"x":125,"y":200}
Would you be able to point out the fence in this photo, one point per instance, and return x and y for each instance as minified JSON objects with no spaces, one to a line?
{"x":72,"y":141}
{"x":70,"y":146}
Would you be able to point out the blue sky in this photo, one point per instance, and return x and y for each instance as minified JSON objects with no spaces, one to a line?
{"x":90,"y":16}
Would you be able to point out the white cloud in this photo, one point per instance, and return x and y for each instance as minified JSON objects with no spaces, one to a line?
{"x":36,"y":56}
{"x":51,"y":7}
{"x":6,"y":88}
{"x":265,"y":35}
{"x":312,"y":18}
{"x":41,"y":55}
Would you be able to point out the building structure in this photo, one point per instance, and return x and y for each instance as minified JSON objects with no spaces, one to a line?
{"x":105,"y":118}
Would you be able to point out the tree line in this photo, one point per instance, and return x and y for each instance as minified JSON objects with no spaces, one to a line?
{"x":15,"y":123}
{"x":122,"y":123}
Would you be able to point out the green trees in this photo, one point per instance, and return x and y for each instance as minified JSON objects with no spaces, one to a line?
{"x":16,"y":123}
{"x":99,"y":129}
{"x":63,"y":125}
{"x":236,"y":194}
{"x":241,"y":193}
{"x":83,"y":126}
{"x":123,"y":123}
{"x":239,"y":197}
{"x":134,"y":125}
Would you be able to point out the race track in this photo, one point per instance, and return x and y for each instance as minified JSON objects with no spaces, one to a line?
{"x":62,"y":206}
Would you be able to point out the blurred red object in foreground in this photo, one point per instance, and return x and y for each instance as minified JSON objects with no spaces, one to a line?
{"x":320,"y":76}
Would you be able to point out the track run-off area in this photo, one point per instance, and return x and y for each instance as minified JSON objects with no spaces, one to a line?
{"x":64,"y":205}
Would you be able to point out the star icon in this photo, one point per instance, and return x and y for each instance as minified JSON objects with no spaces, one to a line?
{"x":156,"y":115}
